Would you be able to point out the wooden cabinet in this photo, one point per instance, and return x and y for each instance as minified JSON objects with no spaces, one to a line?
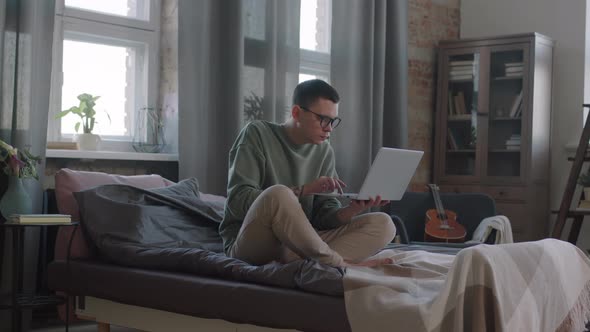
{"x":492,"y":130}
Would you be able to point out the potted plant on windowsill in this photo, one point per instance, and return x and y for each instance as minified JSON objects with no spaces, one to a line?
{"x":85,"y":110}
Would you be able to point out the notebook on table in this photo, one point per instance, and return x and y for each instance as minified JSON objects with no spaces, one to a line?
{"x":388,"y":176}
{"x":40,"y":219}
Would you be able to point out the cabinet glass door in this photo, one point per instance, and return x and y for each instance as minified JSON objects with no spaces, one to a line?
{"x":507,"y":105}
{"x":461,"y":114}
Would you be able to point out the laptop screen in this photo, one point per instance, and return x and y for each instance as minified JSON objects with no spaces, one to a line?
{"x":391,"y":172}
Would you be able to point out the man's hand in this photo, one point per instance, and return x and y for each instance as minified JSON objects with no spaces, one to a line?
{"x":324,"y":184}
{"x":357,"y":206}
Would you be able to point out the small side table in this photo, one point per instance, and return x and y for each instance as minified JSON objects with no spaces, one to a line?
{"x":19,"y":300}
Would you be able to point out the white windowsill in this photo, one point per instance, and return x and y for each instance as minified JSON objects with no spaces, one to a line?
{"x":572,"y":147}
{"x":110,"y":155}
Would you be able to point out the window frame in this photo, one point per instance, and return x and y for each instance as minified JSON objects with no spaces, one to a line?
{"x":314,"y":63}
{"x":151,"y":24}
{"x":318,"y":63}
{"x":311,"y":62}
{"x":87,"y":26}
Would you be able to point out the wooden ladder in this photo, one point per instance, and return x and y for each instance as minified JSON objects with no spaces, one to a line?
{"x":565,"y":210}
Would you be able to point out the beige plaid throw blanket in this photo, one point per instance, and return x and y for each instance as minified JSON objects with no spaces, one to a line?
{"x":529,"y":286}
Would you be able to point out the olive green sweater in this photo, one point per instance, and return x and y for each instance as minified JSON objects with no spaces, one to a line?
{"x":262,"y":156}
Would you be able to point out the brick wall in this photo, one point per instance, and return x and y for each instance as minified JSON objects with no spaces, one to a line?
{"x":429,"y":21}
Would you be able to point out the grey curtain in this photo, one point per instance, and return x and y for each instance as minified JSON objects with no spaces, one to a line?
{"x":370,"y":70}
{"x":228,"y":51}
{"x":26,"y":36}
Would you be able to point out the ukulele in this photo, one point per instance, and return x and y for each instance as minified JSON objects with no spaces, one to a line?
{"x":441,"y":224}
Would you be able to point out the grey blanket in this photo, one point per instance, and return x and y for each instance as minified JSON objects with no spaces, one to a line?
{"x":172,"y":229}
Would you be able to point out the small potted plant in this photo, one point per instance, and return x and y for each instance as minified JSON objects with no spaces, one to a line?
{"x":85,"y":110}
{"x":584,"y":181}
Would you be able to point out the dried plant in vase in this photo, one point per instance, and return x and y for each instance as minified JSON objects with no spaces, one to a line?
{"x":149,"y":130}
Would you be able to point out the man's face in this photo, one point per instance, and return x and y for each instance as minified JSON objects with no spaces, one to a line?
{"x":316,"y":119}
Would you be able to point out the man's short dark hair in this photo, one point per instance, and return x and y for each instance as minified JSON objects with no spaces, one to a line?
{"x":308,"y":92}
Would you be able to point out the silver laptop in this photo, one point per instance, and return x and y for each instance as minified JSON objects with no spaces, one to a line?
{"x":388,"y":176}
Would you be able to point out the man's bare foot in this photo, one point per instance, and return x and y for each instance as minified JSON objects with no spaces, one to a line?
{"x":371,"y":262}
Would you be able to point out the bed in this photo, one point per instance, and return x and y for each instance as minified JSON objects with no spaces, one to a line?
{"x":167,"y":273}
{"x":217,"y":291}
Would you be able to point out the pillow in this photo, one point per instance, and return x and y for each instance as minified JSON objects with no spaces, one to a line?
{"x":67,"y":182}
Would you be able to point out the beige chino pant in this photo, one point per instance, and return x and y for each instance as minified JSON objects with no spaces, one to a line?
{"x":276,"y":228}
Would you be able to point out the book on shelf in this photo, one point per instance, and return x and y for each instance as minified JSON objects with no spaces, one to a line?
{"x":461,"y":62}
{"x":512,"y":146}
{"x":513,"y":142}
{"x":40,"y":219}
{"x":460,"y":103}
{"x":452,"y":110}
{"x":519,"y":111}
{"x":514,"y":64}
{"x":460,"y":117}
{"x":513,"y":70}
{"x":517,"y":74}
{"x":584,"y":204}
{"x":460,"y":77}
{"x":469,"y":68}
{"x":451,"y":140}
{"x":514,"y":138}
{"x":459,"y":72}
{"x":515,"y":104}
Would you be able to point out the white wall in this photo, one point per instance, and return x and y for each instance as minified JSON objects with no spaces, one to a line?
{"x":565,"y":22}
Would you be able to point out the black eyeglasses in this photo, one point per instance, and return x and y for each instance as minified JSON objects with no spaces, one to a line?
{"x":325,"y":121}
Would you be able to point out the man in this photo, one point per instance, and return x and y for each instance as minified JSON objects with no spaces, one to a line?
{"x":271,"y":211}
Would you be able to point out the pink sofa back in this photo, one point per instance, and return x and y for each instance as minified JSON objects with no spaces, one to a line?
{"x":67,"y":182}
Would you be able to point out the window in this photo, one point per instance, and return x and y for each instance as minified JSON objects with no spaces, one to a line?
{"x":262,"y":18}
{"x":137,"y":9}
{"x":106,"y":48}
{"x":315,"y":25}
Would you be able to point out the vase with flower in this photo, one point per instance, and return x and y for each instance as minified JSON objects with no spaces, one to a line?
{"x":17,"y":165}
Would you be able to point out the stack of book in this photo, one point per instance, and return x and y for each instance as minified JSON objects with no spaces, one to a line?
{"x":32,"y":219}
{"x":461,"y":70}
{"x":513,"y":69}
{"x":513,"y":143}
